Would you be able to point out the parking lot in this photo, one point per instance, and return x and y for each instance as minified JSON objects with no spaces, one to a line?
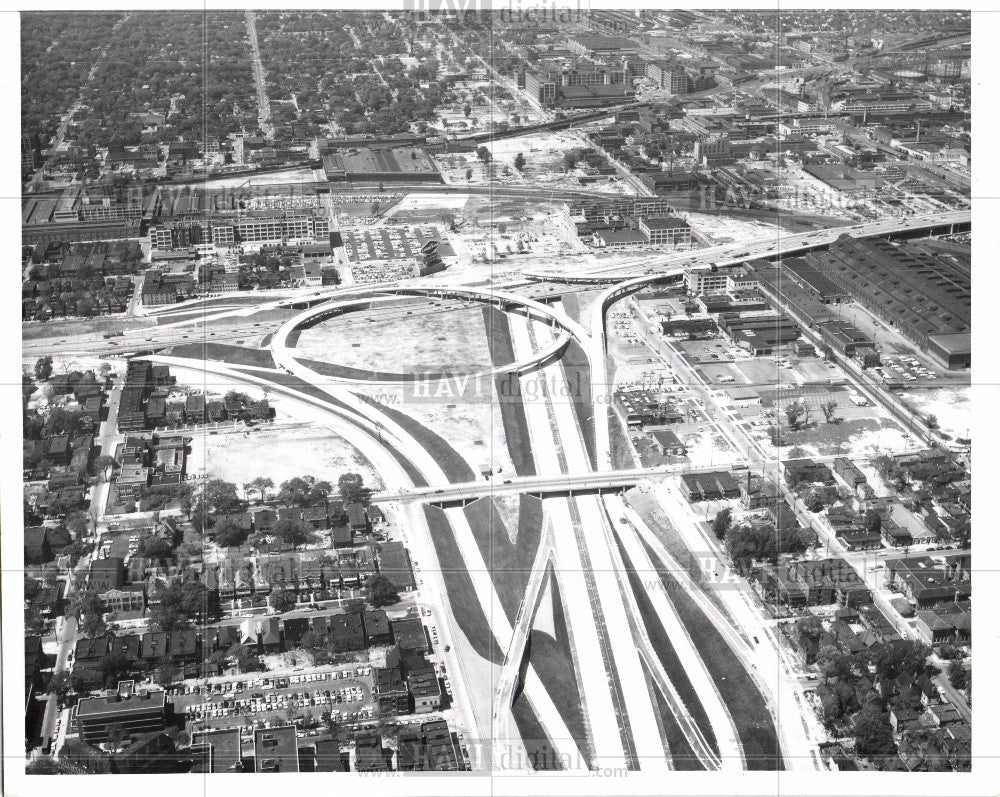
{"x":270,"y":700}
{"x":905,"y":367}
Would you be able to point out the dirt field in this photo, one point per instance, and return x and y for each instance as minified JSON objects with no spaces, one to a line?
{"x":287,"y":449}
{"x":951,"y":406}
{"x":447,"y":337}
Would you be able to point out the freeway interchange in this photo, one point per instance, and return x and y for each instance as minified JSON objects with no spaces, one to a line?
{"x":596,"y":551}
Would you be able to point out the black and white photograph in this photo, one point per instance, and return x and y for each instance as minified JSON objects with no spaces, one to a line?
{"x":498,"y":397}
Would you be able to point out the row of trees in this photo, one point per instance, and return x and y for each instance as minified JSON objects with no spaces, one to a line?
{"x":747,"y":542}
{"x":214,"y":510}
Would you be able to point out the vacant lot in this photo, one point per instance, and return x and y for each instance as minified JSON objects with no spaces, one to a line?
{"x":417,"y":336}
{"x":278,"y":453}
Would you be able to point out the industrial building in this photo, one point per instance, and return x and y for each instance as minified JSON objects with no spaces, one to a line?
{"x":927,"y":295}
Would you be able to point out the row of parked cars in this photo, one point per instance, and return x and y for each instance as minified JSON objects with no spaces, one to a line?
{"x":258,"y":702}
{"x":234,"y":687}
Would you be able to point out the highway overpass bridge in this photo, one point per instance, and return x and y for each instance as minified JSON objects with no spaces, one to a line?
{"x":780,"y":246}
{"x":561,"y":484}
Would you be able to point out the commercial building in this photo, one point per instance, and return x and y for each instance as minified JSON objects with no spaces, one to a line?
{"x":275,"y":750}
{"x":216,"y":751}
{"x":580,"y":85}
{"x":669,"y":75}
{"x":926,"y":581}
{"x":666,"y":231}
{"x":806,"y":276}
{"x":133,"y":713}
{"x":709,"y":486}
{"x":926,"y":294}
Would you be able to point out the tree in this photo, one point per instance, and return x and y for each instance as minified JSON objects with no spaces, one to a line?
{"x":78,"y":524}
{"x":932,"y":421}
{"x":261,"y":484}
{"x":382,"y":592}
{"x":303,"y":491}
{"x":834,"y":664}
{"x":43,"y":368}
{"x":829,"y":409}
{"x":87,"y":605}
{"x":28,"y":387}
{"x":291,"y":532}
{"x":220,"y":496}
{"x":352,"y":489}
{"x":484,"y":154}
{"x":100,"y":465}
{"x":814,"y":502}
{"x":899,"y":657}
{"x":722,"y":522}
{"x":520,"y":161}
{"x":117,"y":735}
{"x":570,"y":159}
{"x":873,"y":522}
{"x":795,"y":413}
{"x":468,"y":175}
{"x":43,"y":765}
{"x":31,"y":588}
{"x":166,"y":671}
{"x":114,"y":666}
{"x":835,"y":699}
{"x":957,"y":674}
{"x":872,"y":733}
{"x":282,"y":600}
{"x":227,"y":533}
{"x":156,"y":548}
{"x":84,"y":681}
{"x":177,"y":602}
{"x":467,"y":110}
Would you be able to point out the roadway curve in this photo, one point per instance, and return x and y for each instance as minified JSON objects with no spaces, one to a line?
{"x":381,"y":432}
{"x":284,"y":354}
{"x":282,"y":350}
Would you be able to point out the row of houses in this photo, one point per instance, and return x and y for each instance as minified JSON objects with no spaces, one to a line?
{"x":149,"y":402}
{"x":810,"y":582}
{"x":319,"y":575}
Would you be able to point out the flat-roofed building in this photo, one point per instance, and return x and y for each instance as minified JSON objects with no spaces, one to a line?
{"x":275,"y":750}
{"x":134,"y":713}
{"x":217,"y":751}
{"x":666,"y":231}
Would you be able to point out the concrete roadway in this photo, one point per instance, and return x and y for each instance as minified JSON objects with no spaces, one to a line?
{"x":379,"y":427}
{"x":651,"y":753}
{"x":726,"y":254}
{"x":592,"y":677}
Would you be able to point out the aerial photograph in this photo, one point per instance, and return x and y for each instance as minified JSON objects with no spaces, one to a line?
{"x":464,"y":390}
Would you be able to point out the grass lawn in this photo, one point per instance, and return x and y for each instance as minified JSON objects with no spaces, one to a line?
{"x":515,"y":424}
{"x":746,"y":704}
{"x":553,"y":662}
{"x":508,"y":389}
{"x":542,"y":756}
{"x":622,"y":457}
{"x":577,"y":369}
{"x":498,"y":336}
{"x":455,"y":468}
{"x":510,"y":565}
{"x":461,"y":594}
{"x":293,"y":382}
{"x":683,"y":758}
{"x":221,"y":352}
{"x":361,"y":374}
{"x":668,"y":656}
